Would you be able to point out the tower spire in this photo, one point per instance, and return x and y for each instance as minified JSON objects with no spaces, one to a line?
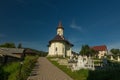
{"x":60,"y":25}
{"x":60,"y":29}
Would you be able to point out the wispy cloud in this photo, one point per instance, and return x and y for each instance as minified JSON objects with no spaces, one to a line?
{"x":75,"y":26}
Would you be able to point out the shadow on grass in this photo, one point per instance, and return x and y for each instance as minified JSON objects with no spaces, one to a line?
{"x":104,"y":75}
{"x":112,"y":72}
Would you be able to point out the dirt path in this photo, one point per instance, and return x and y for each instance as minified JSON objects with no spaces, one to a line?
{"x":44,"y":70}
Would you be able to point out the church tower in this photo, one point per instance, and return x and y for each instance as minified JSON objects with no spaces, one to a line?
{"x":59,"y":46}
{"x":60,"y":29}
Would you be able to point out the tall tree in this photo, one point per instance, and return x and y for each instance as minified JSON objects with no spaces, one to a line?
{"x":19,"y":45}
{"x":86,"y":50}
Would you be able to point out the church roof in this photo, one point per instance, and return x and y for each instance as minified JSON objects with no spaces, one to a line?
{"x":59,"y":38}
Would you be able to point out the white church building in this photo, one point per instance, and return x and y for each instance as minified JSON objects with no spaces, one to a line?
{"x":59,"y":46}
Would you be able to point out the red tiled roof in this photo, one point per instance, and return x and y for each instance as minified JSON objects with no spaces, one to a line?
{"x":99,"y":48}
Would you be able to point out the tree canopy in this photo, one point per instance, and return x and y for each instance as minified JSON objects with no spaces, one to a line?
{"x":8,"y":45}
{"x":19,"y":45}
{"x":86,"y":50}
{"x":115,"y":51}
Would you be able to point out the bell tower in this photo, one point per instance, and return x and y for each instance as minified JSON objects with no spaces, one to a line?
{"x":60,"y":29}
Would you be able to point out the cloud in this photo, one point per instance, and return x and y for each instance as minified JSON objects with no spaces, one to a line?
{"x":75,"y":26}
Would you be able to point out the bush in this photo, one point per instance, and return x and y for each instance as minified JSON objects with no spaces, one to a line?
{"x":12,"y":71}
{"x":28,"y":66}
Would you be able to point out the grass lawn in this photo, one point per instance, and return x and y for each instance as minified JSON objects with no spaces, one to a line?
{"x":77,"y":75}
{"x":11,"y":71}
{"x":108,"y":74}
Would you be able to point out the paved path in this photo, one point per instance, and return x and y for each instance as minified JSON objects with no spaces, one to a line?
{"x":44,"y":70}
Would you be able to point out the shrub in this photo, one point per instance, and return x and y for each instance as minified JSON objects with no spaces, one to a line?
{"x":12,"y":71}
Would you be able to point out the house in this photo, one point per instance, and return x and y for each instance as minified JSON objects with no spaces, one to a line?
{"x":10,"y":54}
{"x":59,"y":46}
{"x":102,"y":50}
{"x":13,"y":54}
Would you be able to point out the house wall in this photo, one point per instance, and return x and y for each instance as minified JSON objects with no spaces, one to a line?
{"x":101,"y":54}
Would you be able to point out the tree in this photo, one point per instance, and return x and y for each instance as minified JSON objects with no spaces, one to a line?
{"x":93,"y":52}
{"x":8,"y":45}
{"x":19,"y":45}
{"x":115,"y":51}
{"x":86,"y":50}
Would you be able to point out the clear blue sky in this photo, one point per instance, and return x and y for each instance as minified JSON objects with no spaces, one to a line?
{"x":33,"y":22}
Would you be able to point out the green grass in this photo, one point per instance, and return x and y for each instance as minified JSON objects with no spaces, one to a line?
{"x":77,"y":75}
{"x":107,"y":74}
{"x":11,"y":70}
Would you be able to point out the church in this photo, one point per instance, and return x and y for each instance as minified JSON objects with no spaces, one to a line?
{"x":59,"y":46}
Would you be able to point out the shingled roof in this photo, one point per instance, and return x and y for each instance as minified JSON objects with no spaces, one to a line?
{"x":10,"y":51}
{"x":59,"y":38}
{"x":99,"y":48}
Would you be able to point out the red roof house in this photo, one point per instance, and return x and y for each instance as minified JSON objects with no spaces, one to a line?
{"x":102,"y":50}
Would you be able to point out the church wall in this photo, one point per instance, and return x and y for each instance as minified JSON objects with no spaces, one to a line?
{"x":56,"y":48}
{"x":68,"y":50}
{"x":51,"y":49}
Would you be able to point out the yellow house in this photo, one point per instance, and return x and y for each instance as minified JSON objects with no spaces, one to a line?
{"x":59,"y":46}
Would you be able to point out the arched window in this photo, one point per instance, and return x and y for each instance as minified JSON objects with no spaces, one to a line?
{"x":56,"y":49}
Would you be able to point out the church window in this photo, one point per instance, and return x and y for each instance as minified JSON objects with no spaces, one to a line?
{"x":56,"y":49}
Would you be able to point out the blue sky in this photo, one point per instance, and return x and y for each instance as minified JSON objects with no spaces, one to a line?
{"x":33,"y":22}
